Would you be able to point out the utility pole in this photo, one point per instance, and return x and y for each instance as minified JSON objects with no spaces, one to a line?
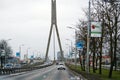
{"x":88,"y":38}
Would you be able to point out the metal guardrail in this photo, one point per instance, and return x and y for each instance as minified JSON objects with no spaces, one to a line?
{"x":18,"y":70}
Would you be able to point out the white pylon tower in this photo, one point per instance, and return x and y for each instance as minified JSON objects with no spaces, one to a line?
{"x":54,"y":23}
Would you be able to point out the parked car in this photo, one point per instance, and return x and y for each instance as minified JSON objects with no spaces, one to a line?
{"x":8,"y":66}
{"x":60,"y":66}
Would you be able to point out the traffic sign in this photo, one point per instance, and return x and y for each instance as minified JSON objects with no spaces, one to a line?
{"x":32,"y":56}
{"x":17,"y":54}
{"x":96,"y":29}
{"x":80,"y":44}
{"x":2,"y":52}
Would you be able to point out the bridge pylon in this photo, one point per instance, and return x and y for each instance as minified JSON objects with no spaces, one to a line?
{"x":54,"y":24}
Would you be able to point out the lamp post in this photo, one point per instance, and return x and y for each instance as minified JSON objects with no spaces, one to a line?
{"x":75,"y":43}
{"x":88,"y":36}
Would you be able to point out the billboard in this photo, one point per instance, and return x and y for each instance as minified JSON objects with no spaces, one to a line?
{"x":96,"y":29}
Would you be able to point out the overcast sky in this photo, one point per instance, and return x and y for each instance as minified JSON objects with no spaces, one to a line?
{"x":28,"y":22}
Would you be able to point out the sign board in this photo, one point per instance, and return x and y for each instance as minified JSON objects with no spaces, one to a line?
{"x":80,"y":44}
{"x":32,"y":57}
{"x":17,"y":54}
{"x":2,"y":52}
{"x":96,"y":29}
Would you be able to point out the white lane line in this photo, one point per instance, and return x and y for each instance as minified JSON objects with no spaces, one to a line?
{"x":17,"y":74}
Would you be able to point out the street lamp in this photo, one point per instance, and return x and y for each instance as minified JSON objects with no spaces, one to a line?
{"x":75,"y":43}
{"x":88,"y":36}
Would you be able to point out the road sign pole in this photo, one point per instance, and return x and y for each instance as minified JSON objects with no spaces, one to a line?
{"x":88,"y":39}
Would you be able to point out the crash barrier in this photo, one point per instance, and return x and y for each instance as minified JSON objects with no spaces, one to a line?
{"x":18,"y":70}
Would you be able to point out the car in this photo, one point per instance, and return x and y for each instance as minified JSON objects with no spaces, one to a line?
{"x":8,"y":66}
{"x":17,"y":66}
{"x":60,"y":66}
{"x":56,"y":63}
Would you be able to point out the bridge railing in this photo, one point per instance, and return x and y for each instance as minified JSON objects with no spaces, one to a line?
{"x":18,"y":70}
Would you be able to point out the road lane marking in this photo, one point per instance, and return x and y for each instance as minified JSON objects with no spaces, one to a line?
{"x":21,"y":73}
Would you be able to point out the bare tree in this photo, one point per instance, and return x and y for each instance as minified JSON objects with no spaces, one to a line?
{"x":82,"y":26}
{"x":111,"y":17}
{"x":8,"y":50}
{"x":109,"y":14}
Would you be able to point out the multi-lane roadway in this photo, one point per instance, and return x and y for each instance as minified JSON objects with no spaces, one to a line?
{"x":48,"y":73}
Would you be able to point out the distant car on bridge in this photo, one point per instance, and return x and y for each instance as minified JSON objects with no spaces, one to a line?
{"x":61,"y":66}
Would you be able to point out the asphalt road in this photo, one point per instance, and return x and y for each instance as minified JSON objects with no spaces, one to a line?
{"x":49,"y":73}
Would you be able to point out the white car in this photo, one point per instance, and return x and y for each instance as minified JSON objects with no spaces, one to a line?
{"x":8,"y":66}
{"x":60,"y":66}
{"x":17,"y":66}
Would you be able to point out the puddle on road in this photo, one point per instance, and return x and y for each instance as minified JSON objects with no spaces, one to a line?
{"x":75,"y":78}
{"x":44,"y":76}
